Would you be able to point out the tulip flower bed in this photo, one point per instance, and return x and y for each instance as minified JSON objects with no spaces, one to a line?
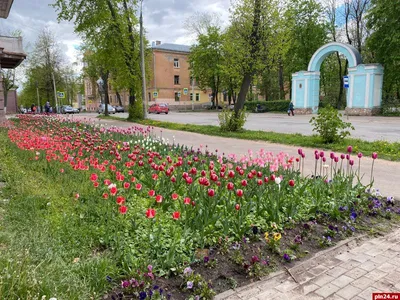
{"x":186,"y":222}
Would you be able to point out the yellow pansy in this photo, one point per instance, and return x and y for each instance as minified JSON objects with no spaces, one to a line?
{"x":277,"y":236}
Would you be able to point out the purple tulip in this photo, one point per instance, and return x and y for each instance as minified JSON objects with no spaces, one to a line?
{"x":359,"y":155}
{"x":316,"y":156}
{"x":349,"y":149}
{"x":342,"y":156}
{"x":347,"y":156}
{"x":336,"y":158}
{"x":332,"y":155}
{"x":351,"y":162}
{"x":322,"y":154}
{"x":300,"y":151}
{"x":324,"y":159}
{"x":374,"y":155}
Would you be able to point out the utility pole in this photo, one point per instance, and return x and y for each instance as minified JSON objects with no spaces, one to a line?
{"x":192,"y":93}
{"x":142,"y":64}
{"x":55,"y":91}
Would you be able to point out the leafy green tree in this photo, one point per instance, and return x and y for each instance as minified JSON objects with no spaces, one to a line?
{"x":308,"y":32}
{"x":384,"y":42}
{"x":109,"y":26}
{"x":206,"y":60}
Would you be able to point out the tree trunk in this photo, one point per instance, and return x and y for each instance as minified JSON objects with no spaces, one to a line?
{"x":254,"y":45}
{"x":104,"y":77}
{"x":119,"y":98}
{"x":281,"y":82}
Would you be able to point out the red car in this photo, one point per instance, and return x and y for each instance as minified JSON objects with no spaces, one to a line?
{"x":159,"y":108}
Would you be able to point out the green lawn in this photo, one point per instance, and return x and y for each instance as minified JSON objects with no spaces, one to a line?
{"x":386,"y":150}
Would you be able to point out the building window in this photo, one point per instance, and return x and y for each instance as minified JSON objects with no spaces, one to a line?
{"x":197,"y":97}
{"x":176,"y":96}
{"x":176,"y":63}
{"x":191,"y":96}
{"x":176,"y":79}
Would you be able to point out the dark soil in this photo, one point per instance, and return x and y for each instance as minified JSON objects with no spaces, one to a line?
{"x":234,"y":267}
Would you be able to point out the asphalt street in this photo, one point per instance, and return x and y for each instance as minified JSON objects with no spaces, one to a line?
{"x":366,"y":128}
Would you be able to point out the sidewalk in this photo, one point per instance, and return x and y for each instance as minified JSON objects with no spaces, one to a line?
{"x":352,"y":270}
{"x":386,"y":173}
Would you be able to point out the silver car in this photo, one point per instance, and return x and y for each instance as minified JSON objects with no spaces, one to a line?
{"x":111,"y":110}
{"x":66,"y":109}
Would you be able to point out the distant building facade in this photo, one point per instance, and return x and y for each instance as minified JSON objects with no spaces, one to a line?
{"x":170,"y":82}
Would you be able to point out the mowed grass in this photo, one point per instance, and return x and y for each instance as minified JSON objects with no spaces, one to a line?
{"x":385,"y":150}
{"x":48,"y":242}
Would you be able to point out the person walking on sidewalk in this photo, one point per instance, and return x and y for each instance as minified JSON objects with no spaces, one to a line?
{"x":291,"y":109}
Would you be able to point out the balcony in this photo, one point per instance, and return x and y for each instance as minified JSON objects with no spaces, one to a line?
{"x":11,"y":51}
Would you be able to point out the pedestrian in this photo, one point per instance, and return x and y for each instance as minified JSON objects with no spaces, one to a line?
{"x":291,"y":109}
{"x":47,"y":107}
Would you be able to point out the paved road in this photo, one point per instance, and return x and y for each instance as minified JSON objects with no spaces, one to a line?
{"x":366,"y":128}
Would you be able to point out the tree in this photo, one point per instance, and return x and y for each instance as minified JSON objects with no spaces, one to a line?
{"x":109,"y":25}
{"x":308,"y":32}
{"x":355,"y":25}
{"x":200,"y":22}
{"x":384,"y":42}
{"x":206,"y":60}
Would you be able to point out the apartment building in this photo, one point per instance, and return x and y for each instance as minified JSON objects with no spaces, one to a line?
{"x":170,"y":82}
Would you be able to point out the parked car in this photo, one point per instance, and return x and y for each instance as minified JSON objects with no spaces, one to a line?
{"x":119,"y":108}
{"x":76,"y":110}
{"x":209,"y":105}
{"x":159,"y":108}
{"x":67,"y":109}
{"x":101,"y":109}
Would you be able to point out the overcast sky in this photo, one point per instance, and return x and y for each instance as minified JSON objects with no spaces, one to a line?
{"x":163,"y":20}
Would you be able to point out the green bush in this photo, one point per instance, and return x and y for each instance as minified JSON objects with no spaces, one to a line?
{"x":228,"y":121}
{"x":279,"y":105}
{"x":391,"y":107}
{"x":136,"y":111}
{"x":330,"y":126}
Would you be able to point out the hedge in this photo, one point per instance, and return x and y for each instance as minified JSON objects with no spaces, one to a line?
{"x":278,"y":105}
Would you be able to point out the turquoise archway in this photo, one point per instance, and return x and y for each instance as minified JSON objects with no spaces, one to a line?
{"x":364,"y":93}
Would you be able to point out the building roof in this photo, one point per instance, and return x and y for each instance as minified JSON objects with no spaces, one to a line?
{"x":172,"y":47}
{"x":5,"y":6}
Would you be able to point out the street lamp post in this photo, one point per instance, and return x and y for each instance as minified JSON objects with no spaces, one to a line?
{"x":37,"y":93}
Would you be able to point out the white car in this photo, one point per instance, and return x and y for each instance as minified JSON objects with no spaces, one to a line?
{"x":111,"y":110}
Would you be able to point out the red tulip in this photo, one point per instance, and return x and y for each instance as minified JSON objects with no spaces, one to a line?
{"x":152,"y":193}
{"x":244,"y":182}
{"x":127,"y":185}
{"x":231,"y":174}
{"x":211,"y":192}
{"x":259,"y":182}
{"x":175,"y":196}
{"x":123,"y":209}
{"x":237,"y":206}
{"x":113,"y":190}
{"x":138,"y":186}
{"x":173,"y":179}
{"x":239,"y":193}
{"x":150,"y":213}
{"x":272,"y":177}
{"x":230,"y":186}
{"x":105,"y":195}
{"x":95,"y":184}
{"x":176,"y":215}
{"x":120,"y":200}
{"x":93,"y":177}
{"x":259,"y":174}
{"x":266,"y":179}
{"x":186,"y":201}
{"x":291,"y":182}
{"x":159,"y":198}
